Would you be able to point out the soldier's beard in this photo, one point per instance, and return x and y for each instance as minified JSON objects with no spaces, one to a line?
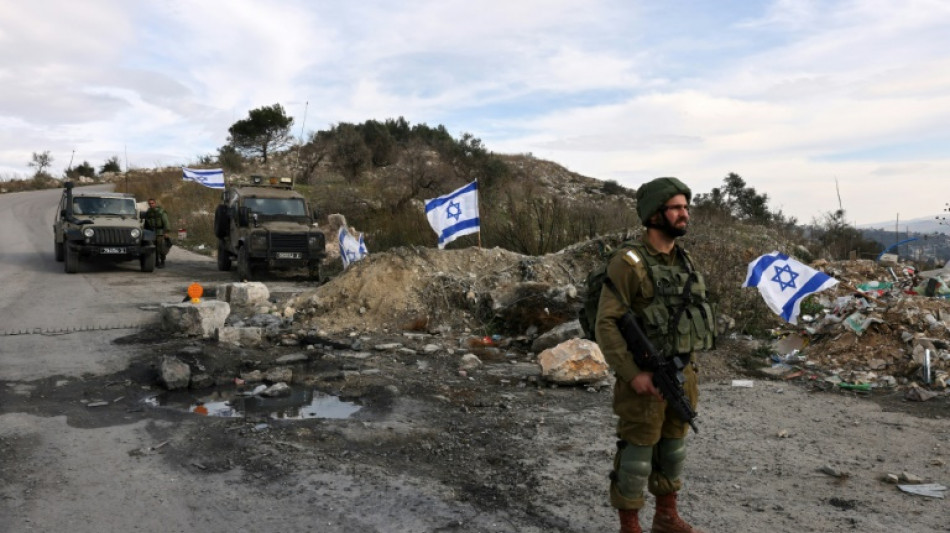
{"x":670,"y":230}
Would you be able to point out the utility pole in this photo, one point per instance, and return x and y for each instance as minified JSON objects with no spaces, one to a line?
{"x":297,"y":170}
{"x":897,"y":237}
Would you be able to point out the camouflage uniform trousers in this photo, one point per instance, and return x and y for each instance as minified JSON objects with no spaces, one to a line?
{"x":645,"y":421}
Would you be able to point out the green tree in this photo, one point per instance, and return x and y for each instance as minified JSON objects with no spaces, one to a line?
{"x":41,"y":161}
{"x":838,"y":238}
{"x":737,"y":200}
{"x":111,"y":165}
{"x":230,"y":159}
{"x":350,"y":155}
{"x":264,"y":130}
{"x":84,"y":170}
{"x":380,"y":142}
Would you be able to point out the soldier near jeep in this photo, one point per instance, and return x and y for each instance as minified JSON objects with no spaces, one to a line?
{"x":156,"y":219}
{"x":655,"y":279}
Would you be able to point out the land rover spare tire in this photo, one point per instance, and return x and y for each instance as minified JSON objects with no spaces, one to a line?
{"x":222,"y":221}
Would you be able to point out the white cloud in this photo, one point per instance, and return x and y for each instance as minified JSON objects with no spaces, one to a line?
{"x":789,"y":94}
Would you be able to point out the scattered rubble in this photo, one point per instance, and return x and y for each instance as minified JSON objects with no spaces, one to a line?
{"x":881,"y":328}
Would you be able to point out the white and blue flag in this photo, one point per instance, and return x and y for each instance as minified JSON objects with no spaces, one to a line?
{"x":211,"y":177}
{"x":454,"y":214}
{"x":784,"y":283}
{"x":351,"y":249}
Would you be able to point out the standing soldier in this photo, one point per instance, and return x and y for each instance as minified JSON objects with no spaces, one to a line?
{"x":156,"y":219}
{"x":655,"y":279}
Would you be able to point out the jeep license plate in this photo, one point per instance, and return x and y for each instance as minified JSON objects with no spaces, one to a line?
{"x":287,"y":255}
{"x":113,"y":251}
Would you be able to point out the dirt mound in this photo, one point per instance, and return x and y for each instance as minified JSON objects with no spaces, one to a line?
{"x":438,"y":290}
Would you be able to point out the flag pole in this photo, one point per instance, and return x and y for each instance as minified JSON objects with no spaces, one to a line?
{"x":479,"y":218}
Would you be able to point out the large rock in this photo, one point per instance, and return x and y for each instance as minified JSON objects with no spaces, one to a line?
{"x":174,"y":373}
{"x":247,"y":294}
{"x":577,"y":361}
{"x":557,"y":335}
{"x":241,"y":336}
{"x":201,"y":319}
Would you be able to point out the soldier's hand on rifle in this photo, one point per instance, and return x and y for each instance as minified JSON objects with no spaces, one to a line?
{"x":642,"y":383}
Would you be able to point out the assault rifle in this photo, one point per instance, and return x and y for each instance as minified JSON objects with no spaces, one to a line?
{"x":667,"y":371}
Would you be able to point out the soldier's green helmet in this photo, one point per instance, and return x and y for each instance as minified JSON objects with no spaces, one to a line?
{"x":653,"y":194}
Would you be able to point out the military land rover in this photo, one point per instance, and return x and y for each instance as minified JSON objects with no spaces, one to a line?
{"x":103,"y":226}
{"x":266,"y":225}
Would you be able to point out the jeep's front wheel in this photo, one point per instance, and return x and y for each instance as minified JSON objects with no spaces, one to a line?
{"x":58,"y":249}
{"x":71,"y":259}
{"x":244,"y":264}
{"x":224,"y":259}
{"x":147,"y":262}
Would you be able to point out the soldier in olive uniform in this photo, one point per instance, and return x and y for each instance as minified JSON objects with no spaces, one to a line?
{"x":656,"y":278}
{"x":156,"y":219}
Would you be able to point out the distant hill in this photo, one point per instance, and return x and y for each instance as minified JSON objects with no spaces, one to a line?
{"x":923,"y":225}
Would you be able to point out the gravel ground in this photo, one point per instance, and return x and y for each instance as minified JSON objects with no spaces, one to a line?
{"x":493,"y":450}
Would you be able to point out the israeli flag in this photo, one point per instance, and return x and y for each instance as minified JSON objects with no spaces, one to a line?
{"x":784,"y":283}
{"x":454,"y":214}
{"x":212,"y":177}
{"x":351,"y":249}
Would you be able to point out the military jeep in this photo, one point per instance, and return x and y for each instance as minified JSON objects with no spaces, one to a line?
{"x":266,"y":225}
{"x":100,"y":225}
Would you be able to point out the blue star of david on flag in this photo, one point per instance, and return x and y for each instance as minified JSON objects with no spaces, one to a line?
{"x":777,"y":278}
{"x":212,"y":177}
{"x":454,"y":214}
{"x":789,"y":274}
{"x":454,"y":211}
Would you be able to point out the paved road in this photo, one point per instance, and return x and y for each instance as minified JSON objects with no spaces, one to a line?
{"x":59,"y":469}
{"x":73,"y":318}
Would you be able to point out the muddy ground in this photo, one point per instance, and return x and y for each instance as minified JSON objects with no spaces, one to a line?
{"x":497,"y":449}
{"x":386,"y":432}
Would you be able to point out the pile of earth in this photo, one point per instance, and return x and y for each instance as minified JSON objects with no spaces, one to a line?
{"x":424,"y":289}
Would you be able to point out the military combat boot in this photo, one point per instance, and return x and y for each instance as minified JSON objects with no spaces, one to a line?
{"x":630,"y":521}
{"x":667,"y":520}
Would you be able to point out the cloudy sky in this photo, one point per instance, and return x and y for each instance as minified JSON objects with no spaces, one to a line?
{"x":806,"y":100}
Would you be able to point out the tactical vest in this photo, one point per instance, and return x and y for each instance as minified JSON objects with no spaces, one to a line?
{"x":680,"y":296}
{"x":154,"y":220}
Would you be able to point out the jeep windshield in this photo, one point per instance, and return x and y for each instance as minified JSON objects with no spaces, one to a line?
{"x":293,"y":207}
{"x":85,"y":205}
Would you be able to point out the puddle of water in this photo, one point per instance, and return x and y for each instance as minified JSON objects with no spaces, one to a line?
{"x":299,"y":405}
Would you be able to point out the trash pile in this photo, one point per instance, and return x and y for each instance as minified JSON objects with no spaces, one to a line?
{"x":883,"y":326}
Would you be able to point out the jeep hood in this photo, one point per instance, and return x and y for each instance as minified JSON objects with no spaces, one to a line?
{"x":284,"y":226}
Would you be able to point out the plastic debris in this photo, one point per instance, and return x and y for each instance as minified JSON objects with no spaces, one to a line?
{"x":931,"y":490}
{"x":859,"y":387}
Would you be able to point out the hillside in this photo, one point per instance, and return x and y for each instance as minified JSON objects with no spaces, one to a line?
{"x":922,"y":225}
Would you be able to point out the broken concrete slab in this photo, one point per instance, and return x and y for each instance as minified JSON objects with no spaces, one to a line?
{"x":244,"y":294}
{"x":240,"y":336}
{"x":201,"y":319}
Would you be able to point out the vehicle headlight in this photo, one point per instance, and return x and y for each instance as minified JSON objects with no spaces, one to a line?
{"x":88,"y":232}
{"x":314,"y":241}
{"x":135,"y":233}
